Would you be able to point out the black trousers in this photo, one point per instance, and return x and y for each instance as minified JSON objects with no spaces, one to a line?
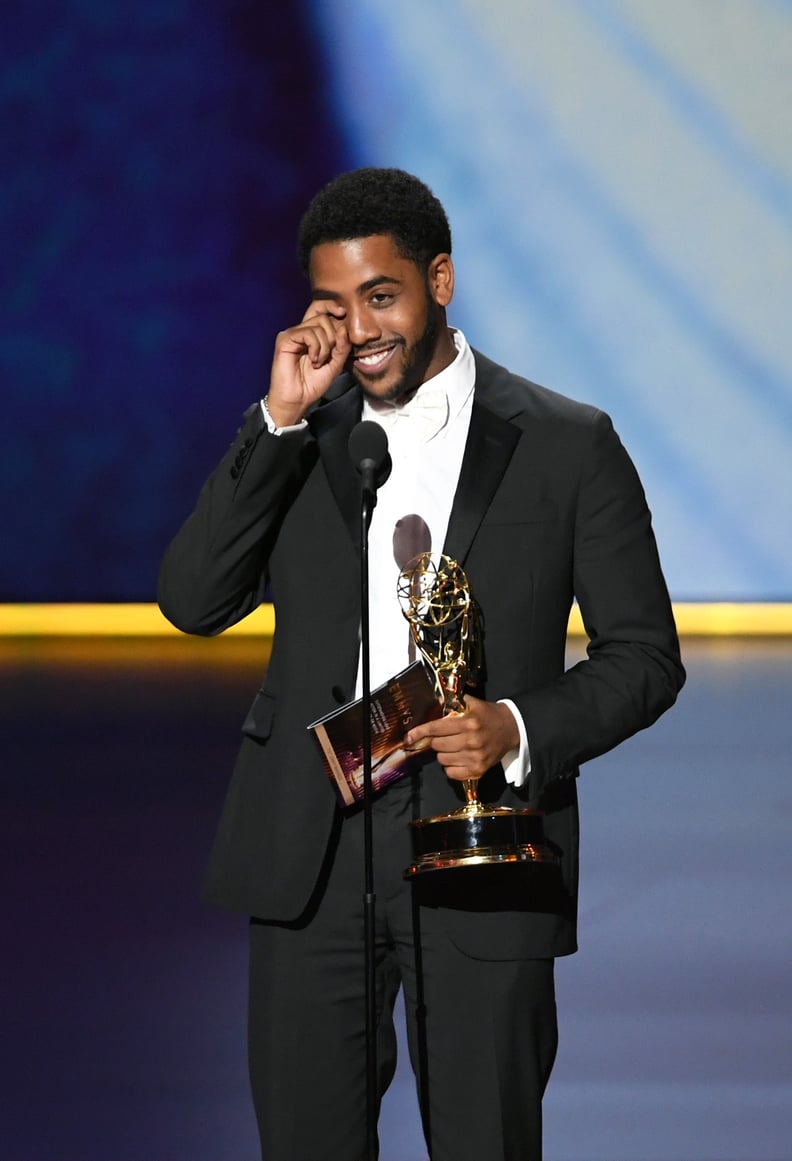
{"x":482,"y":1032}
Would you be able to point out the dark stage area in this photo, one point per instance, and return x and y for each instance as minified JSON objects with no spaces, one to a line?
{"x":124,"y":997}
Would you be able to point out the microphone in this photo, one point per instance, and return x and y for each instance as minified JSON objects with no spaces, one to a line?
{"x":368,"y":450}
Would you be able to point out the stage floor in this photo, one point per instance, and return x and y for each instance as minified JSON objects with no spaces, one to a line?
{"x":123,"y":1026}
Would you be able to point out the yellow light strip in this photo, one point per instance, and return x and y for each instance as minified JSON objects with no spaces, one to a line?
{"x":127,"y":620}
{"x":771,"y":619}
{"x":145,"y":620}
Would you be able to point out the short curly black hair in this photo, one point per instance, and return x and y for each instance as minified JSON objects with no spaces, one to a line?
{"x":371,"y":201}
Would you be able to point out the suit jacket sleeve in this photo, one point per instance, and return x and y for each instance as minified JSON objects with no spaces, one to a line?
{"x":633,"y":671}
{"x":215,"y":570}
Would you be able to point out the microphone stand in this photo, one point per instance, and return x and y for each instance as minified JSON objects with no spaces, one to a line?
{"x":368,"y":449}
{"x":368,"y":500}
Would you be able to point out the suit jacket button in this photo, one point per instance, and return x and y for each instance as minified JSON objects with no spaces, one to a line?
{"x":234,"y":473}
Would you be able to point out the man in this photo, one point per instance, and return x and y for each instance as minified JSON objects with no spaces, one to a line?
{"x":535,"y":497}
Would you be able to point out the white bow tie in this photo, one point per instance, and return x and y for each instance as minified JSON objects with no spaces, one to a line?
{"x":422,"y":417}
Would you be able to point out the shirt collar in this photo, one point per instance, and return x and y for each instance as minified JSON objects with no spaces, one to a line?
{"x":454,"y":385}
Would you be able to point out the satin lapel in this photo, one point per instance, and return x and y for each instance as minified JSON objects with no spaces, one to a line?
{"x":331,"y":424}
{"x":490,"y":443}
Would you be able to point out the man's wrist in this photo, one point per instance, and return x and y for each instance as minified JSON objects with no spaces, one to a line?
{"x":511,"y":732}
{"x":279,"y":419}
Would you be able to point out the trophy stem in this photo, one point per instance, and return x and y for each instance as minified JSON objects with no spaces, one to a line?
{"x":470,"y":786}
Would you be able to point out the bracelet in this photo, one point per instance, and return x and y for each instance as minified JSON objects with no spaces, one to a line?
{"x":272,"y":425}
{"x":270,"y":421}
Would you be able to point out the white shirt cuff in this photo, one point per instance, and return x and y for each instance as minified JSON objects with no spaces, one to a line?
{"x":270,"y":422}
{"x":516,"y":763}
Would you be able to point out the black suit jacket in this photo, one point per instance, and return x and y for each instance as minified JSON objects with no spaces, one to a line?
{"x":548,"y":507}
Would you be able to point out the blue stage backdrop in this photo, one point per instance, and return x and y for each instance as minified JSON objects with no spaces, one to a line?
{"x":618,"y":176}
{"x":157,"y":156}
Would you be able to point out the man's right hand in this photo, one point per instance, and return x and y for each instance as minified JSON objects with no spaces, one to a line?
{"x":307,"y":359}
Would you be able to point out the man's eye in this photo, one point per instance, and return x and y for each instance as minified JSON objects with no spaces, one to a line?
{"x":381,"y":299}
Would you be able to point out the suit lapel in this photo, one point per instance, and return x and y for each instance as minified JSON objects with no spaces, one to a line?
{"x":331,"y":424}
{"x":490,"y":443}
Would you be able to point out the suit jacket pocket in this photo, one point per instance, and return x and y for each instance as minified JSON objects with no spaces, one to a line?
{"x":534,"y":512}
{"x":258,"y":723}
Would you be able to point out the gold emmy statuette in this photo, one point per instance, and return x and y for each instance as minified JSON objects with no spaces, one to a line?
{"x":434,"y":595}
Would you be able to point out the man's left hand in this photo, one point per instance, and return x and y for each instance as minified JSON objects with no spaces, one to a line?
{"x":468,"y":744}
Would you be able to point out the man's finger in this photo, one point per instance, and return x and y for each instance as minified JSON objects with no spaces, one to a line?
{"x":438,"y":728}
{"x":324,"y":309}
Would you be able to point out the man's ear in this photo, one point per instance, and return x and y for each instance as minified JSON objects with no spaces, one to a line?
{"x":440,"y":277}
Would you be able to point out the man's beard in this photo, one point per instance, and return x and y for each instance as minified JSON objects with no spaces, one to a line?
{"x":417,"y":360}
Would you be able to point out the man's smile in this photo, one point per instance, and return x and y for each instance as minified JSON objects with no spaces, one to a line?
{"x":372,"y":362}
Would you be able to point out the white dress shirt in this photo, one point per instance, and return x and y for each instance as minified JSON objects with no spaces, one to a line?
{"x":426,"y":441}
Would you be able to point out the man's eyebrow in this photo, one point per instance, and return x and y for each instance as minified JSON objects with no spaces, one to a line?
{"x":369,"y":284}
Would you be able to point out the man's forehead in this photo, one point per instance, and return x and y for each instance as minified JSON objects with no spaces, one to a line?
{"x":355,"y":262}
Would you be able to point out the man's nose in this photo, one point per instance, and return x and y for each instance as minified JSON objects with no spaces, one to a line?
{"x":362,"y":327}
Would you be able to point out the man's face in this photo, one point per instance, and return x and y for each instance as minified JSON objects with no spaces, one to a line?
{"x":393,"y":311}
